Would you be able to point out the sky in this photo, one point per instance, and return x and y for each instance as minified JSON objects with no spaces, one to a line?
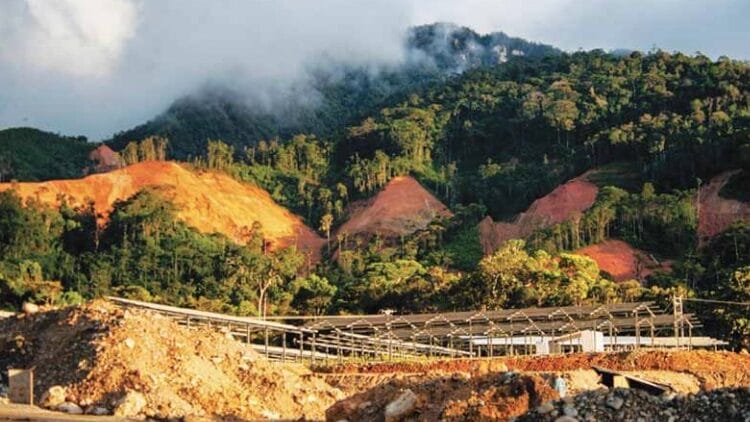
{"x":96,"y":67}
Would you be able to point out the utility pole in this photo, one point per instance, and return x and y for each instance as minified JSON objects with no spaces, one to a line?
{"x":678,"y":318}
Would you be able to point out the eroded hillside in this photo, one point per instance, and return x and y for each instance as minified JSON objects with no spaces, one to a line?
{"x":575,"y":196}
{"x":207,"y":201}
{"x":401,"y":208}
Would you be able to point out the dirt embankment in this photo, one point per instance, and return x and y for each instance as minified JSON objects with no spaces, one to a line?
{"x":207,"y":201}
{"x":716,"y":214}
{"x":101,"y":354}
{"x":401,"y":208}
{"x":575,"y":196}
{"x":711,"y":369}
{"x":622,"y":261}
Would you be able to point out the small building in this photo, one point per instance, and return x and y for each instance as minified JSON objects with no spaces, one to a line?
{"x":587,"y":341}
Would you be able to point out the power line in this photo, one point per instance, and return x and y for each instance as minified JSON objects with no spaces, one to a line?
{"x":727,"y":302}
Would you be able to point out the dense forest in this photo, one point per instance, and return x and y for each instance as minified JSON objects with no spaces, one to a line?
{"x":486,"y":136}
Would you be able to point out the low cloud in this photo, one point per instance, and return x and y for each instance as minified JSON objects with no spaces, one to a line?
{"x":94,"y":67}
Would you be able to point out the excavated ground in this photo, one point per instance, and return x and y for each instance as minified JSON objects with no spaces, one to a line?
{"x":509,"y":387}
{"x":100,"y":354}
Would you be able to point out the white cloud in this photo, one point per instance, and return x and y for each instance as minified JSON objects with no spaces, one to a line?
{"x":75,"y":37}
{"x":94,"y":67}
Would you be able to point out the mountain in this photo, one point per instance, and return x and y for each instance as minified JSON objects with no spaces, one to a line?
{"x":32,"y":154}
{"x":207,"y":201}
{"x":452,"y":48}
{"x":338,"y":95}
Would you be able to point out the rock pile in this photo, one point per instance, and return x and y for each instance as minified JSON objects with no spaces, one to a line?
{"x":457,"y":397}
{"x":100,"y":359}
{"x":635,"y":405}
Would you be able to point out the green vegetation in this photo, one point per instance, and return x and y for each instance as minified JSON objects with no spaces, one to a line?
{"x":488,"y":141}
{"x":737,"y":187}
{"x":29,"y":154}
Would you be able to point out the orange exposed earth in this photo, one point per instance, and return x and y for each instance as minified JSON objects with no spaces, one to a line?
{"x":401,"y":208}
{"x":622,"y":261}
{"x":208,"y":201}
{"x":575,"y":196}
{"x":717,"y":213}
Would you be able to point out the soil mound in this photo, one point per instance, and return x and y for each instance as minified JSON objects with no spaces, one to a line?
{"x":101,"y":354}
{"x":564,"y":202}
{"x":458,"y":397}
{"x":622,"y":261}
{"x":717,"y":213}
{"x":401,"y":208}
{"x":207,"y":201}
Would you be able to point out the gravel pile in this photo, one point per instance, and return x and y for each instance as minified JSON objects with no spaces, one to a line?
{"x":634,"y":405}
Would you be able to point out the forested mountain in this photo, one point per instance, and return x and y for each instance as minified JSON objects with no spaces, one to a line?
{"x":334,"y":95}
{"x":31,"y":154}
{"x":488,"y":137}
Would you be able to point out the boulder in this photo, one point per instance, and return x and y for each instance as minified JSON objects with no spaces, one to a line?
{"x":53,"y":397}
{"x":615,"y":402}
{"x":30,"y":308}
{"x":97,"y":410}
{"x":131,"y":404}
{"x":402,"y":406}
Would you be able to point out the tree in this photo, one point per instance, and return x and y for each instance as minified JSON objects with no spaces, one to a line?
{"x":503,"y":272}
{"x":130,"y":153}
{"x":220,"y":156}
{"x":314,"y":294}
{"x":325,"y":225}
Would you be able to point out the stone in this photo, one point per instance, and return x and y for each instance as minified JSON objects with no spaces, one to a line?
{"x":130,"y":405}
{"x":570,"y":411}
{"x":402,"y":406}
{"x":615,"y":402}
{"x":545,"y":408}
{"x":566,"y":419}
{"x":269,"y":414}
{"x":97,"y":410}
{"x":129,"y":343}
{"x":53,"y":397}
{"x":364,"y":405}
{"x":30,"y":308}
{"x":71,"y":408}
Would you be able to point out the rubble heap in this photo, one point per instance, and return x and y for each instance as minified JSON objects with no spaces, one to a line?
{"x":621,"y":404}
{"x":457,"y":397}
{"x":101,"y":359}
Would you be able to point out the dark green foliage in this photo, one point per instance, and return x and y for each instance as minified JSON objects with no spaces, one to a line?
{"x":29,"y":154}
{"x":464,"y":250}
{"x":738,"y":187}
{"x":664,"y":224}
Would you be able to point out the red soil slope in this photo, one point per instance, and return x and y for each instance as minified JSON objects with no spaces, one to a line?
{"x":105,"y":159}
{"x":622,"y":261}
{"x":573,"y":197}
{"x":208,"y":201}
{"x":717,"y":213}
{"x":401,"y":208}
